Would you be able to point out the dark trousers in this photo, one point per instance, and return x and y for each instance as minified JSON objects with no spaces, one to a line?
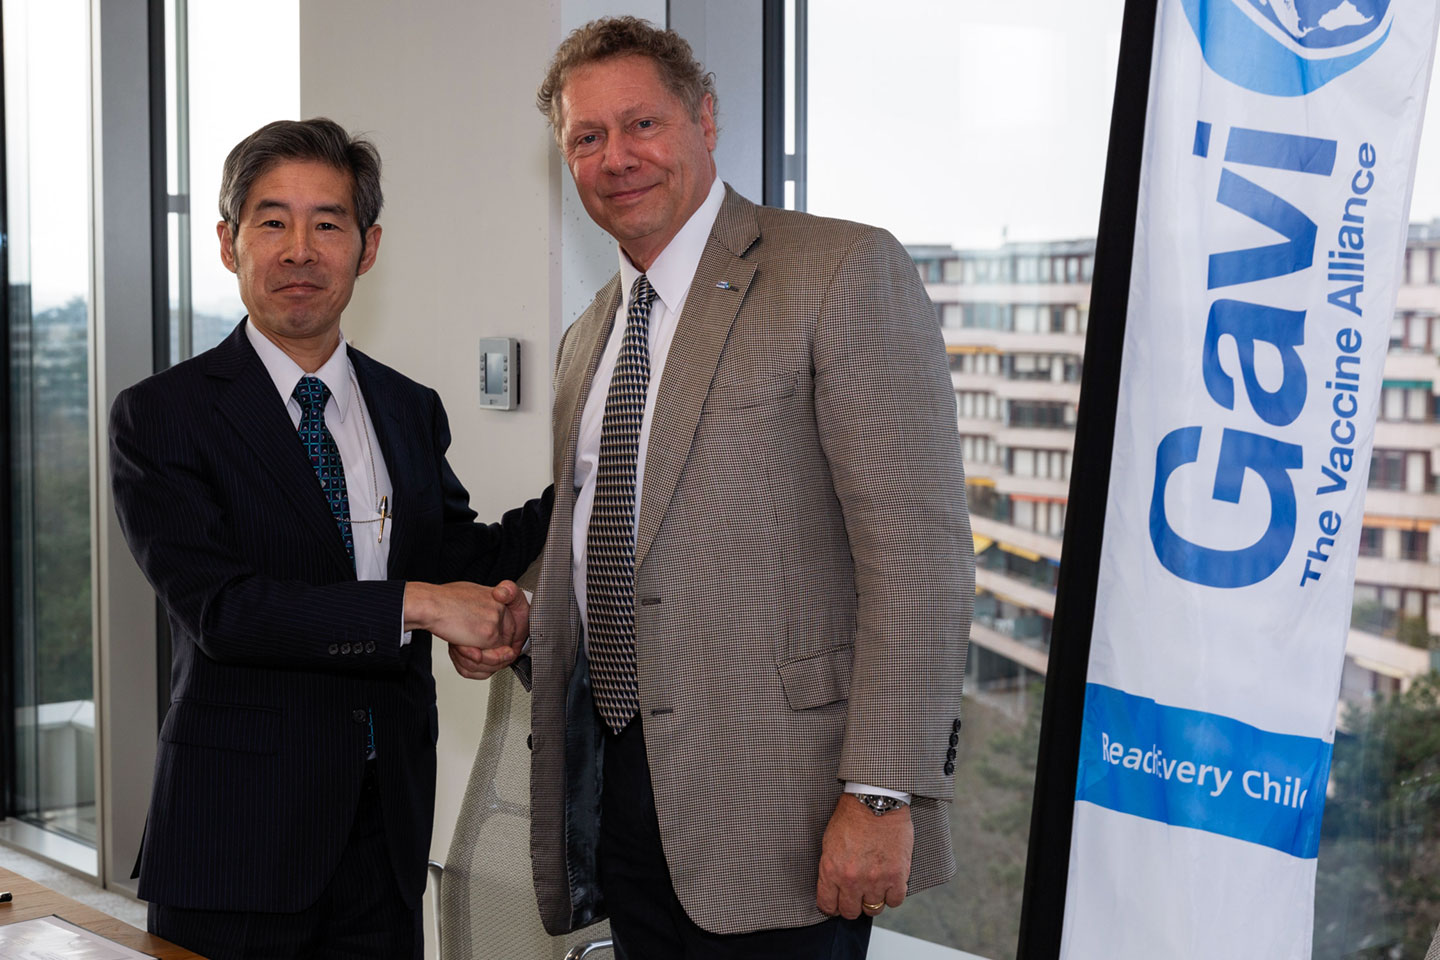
{"x":646,"y":918}
{"x":360,"y":914}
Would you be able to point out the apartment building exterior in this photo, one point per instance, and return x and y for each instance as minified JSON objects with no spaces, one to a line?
{"x":1014,"y":321}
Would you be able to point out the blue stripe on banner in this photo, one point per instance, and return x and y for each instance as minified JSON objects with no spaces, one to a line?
{"x":1281,"y":151}
{"x":1201,"y":770}
{"x":1202,"y":139}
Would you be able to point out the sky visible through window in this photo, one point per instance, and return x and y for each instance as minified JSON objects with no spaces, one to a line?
{"x":970,"y":123}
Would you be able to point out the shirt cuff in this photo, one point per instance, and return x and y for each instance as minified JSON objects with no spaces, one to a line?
{"x":404,"y":634}
{"x":529,"y":598}
{"x":881,"y":791}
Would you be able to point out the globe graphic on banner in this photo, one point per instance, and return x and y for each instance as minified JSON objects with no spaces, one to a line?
{"x":1322,"y":24}
{"x":1288,"y":48}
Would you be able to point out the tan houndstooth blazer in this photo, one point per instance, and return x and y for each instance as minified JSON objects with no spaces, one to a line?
{"x":804,"y":576}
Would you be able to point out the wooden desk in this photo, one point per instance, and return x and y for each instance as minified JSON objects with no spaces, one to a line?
{"x":31,"y":900}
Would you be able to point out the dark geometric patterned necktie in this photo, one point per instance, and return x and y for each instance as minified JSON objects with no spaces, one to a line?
{"x":312,"y":395}
{"x":610,"y":542}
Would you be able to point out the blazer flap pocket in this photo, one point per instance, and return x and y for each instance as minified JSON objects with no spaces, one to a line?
{"x":818,"y":679}
{"x":222,"y":726}
{"x":754,"y":392}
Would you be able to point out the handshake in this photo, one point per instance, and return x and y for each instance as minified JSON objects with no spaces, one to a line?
{"x":485,"y":627}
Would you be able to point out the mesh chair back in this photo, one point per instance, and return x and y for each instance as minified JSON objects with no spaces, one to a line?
{"x":487,"y":900}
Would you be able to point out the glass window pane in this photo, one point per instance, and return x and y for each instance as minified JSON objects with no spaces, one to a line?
{"x":212,"y":111}
{"x":998,"y":115}
{"x":1375,"y":894}
{"x":47,"y":124}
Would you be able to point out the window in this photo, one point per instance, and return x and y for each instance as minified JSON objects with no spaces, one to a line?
{"x":1042,"y":414}
{"x":983,"y":175}
{"x":207,"y":113}
{"x":47,"y":131}
{"x":1415,"y":545}
{"x":1387,"y":470}
{"x":1010,"y":92}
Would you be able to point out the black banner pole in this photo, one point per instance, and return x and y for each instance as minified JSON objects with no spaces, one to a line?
{"x":1057,"y":763}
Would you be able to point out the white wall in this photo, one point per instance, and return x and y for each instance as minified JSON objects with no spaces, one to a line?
{"x":483,"y":237}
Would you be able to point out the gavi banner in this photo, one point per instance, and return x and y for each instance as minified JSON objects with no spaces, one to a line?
{"x":1280,"y":145}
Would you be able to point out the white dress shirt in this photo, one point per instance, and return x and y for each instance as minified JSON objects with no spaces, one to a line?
{"x":670,"y":276}
{"x":349,"y":421}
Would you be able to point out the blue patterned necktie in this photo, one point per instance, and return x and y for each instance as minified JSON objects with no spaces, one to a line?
{"x":312,"y":395}
{"x":610,"y":542}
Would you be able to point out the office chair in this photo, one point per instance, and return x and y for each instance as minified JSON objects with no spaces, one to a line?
{"x":484,"y":894}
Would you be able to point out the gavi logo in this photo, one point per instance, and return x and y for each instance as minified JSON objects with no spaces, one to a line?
{"x":1287,"y":48}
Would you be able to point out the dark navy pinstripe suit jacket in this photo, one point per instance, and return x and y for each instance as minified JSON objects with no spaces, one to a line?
{"x":280,"y":654}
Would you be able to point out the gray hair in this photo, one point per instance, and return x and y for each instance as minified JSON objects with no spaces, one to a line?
{"x":612,"y":37}
{"x":319,"y":139}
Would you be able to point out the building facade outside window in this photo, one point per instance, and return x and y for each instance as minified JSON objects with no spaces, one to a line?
{"x":1001,"y":225}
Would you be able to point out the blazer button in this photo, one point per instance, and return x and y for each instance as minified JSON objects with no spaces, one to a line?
{"x":529,"y":741}
{"x":369,"y":646}
{"x":954,"y":739}
{"x":949,"y":767}
{"x":357,"y":647}
{"x":334,"y":649}
{"x":950,"y":754}
{"x":358,"y":716}
{"x":344,"y":648}
{"x":955,"y":727}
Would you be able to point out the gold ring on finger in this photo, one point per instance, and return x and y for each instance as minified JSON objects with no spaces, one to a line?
{"x":872,"y":906}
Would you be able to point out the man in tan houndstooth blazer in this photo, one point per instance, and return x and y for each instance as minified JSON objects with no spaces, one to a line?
{"x":803,"y":575}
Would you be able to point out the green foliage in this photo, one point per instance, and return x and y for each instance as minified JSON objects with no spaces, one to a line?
{"x":1378,"y":885}
{"x":1415,"y":631}
{"x":51,"y":506}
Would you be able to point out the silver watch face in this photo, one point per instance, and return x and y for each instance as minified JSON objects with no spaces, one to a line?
{"x":880,"y":804}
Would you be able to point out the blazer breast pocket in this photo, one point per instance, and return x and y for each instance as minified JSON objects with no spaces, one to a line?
{"x":222,"y":726}
{"x":754,"y":392}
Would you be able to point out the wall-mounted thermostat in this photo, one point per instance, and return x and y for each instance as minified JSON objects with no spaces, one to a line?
{"x":500,"y":373}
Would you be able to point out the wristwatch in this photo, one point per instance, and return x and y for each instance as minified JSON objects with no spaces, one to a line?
{"x":878,"y":803}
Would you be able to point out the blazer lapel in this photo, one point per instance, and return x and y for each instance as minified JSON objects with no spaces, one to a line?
{"x":591,"y":332}
{"x":580,"y":356}
{"x":253,"y":408}
{"x":710,"y":311}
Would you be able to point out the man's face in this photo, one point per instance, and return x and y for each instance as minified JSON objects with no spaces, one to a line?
{"x":642,"y":166}
{"x":297,"y":250}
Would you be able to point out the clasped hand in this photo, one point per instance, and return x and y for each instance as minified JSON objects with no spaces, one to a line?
{"x":485,"y":627}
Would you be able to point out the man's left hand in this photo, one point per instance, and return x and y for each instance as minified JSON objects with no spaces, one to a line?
{"x":864,"y":860}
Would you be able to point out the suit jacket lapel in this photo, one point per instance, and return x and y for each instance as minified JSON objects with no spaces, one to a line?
{"x":704,"y":326}
{"x":391,"y":432}
{"x":591,"y":332}
{"x":258,"y":415}
{"x":584,"y":344}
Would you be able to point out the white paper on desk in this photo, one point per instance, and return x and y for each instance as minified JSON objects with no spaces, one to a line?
{"x":50,"y":938}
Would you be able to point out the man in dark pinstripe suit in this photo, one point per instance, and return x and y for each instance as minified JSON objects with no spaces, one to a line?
{"x":290,"y":501}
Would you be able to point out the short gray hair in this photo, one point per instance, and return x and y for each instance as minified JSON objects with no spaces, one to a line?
{"x":319,"y":139}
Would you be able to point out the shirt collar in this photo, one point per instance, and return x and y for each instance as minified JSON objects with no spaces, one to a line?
{"x":285,"y":373}
{"x":673,"y":270}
